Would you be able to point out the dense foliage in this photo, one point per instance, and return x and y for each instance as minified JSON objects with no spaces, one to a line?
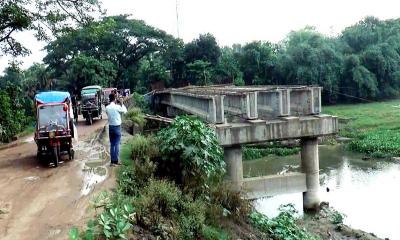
{"x":190,"y":152}
{"x":16,"y":108}
{"x":44,"y":17}
{"x":362,"y":63}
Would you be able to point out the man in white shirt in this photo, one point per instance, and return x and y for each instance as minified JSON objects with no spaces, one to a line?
{"x":114,"y":111}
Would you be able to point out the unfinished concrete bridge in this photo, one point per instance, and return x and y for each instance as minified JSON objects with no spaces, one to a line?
{"x":256,"y":114}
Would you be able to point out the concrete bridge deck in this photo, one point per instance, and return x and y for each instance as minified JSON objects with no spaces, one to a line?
{"x":256,"y":114}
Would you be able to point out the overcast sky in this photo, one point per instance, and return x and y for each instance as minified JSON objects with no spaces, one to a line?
{"x":239,"y":21}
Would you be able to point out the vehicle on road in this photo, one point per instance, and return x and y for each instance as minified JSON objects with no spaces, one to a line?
{"x":54,"y":125}
{"x":106,"y":93}
{"x":91,"y":103}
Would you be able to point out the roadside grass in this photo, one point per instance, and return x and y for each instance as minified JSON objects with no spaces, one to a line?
{"x":374,"y":127}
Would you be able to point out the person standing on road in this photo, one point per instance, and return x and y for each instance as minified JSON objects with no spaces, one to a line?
{"x":114,"y":111}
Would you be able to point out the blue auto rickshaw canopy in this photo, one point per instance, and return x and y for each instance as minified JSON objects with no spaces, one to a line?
{"x":52,"y":97}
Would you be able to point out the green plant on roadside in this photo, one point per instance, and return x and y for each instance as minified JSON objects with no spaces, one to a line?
{"x":113,"y":223}
{"x":282,"y":227}
{"x":144,"y":147}
{"x":167,"y":212}
{"x":190,"y":153}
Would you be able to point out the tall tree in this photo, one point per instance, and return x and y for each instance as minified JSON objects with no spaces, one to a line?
{"x":306,"y":57}
{"x":257,"y":62}
{"x":118,"y":39}
{"x":204,"y":48}
{"x":44,"y":17}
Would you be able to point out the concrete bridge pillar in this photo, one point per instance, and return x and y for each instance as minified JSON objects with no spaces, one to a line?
{"x":310,"y":166}
{"x":234,"y":167}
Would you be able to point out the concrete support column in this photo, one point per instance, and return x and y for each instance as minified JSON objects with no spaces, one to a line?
{"x":234,"y":167}
{"x":310,"y":166}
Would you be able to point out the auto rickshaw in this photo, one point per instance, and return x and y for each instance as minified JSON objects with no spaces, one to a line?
{"x":54,"y":125}
{"x":107,"y":92}
{"x":91,"y":100}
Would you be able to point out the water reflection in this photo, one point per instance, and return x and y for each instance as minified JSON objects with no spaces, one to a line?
{"x":367,"y":192}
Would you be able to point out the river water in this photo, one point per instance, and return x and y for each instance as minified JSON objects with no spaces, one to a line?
{"x":367,"y":192}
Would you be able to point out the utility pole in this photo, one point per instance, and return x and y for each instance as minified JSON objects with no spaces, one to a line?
{"x":177,"y":17}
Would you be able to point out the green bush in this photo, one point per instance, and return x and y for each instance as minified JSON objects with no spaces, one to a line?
{"x":127,"y":180}
{"x":211,"y":233}
{"x":144,"y":147}
{"x":162,"y":208}
{"x":281,"y":227}
{"x":140,"y":102}
{"x":232,"y":203}
{"x":134,"y":117}
{"x":190,"y":153}
{"x":114,"y":222}
{"x":132,"y":178}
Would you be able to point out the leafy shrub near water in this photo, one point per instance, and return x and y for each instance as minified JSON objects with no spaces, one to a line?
{"x":190,"y":152}
{"x":283,"y":226}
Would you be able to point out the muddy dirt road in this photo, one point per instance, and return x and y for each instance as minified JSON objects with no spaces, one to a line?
{"x":40,"y":202}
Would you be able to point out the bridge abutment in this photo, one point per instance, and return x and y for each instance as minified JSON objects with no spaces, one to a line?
{"x":310,"y":167}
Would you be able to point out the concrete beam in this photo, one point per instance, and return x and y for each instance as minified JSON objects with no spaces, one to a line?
{"x":272,"y":104}
{"x":305,"y":101}
{"x":242,"y":105}
{"x":209,"y":108}
{"x":272,"y":185}
{"x":285,"y":128}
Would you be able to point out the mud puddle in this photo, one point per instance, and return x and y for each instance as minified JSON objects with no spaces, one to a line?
{"x":94,"y":159}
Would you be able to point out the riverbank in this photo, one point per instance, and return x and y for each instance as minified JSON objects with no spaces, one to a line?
{"x":328,"y":224}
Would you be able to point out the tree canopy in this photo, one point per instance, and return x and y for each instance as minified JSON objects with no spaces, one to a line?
{"x":43,"y":17}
